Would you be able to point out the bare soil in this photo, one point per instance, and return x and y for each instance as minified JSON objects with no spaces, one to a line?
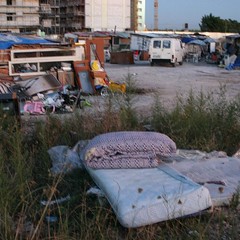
{"x":167,"y":81}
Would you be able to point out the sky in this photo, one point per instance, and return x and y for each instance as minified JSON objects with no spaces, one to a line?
{"x":173,"y":14}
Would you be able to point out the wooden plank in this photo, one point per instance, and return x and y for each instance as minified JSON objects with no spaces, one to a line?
{"x":45,"y":59}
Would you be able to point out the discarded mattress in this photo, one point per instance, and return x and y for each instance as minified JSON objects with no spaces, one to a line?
{"x":127,"y":149}
{"x":215,"y":171}
{"x":145,"y":196}
{"x":141,"y":189}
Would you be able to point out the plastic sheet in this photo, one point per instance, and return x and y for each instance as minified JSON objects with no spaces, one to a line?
{"x":64,"y":159}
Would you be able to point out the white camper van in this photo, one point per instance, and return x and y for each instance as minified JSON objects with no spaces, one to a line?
{"x":166,"y":50}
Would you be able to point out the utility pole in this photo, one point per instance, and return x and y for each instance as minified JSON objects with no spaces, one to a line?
{"x":155,"y":15}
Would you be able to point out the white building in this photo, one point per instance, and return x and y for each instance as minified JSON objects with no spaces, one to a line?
{"x":107,"y":15}
{"x":19,"y":15}
{"x":141,"y":12}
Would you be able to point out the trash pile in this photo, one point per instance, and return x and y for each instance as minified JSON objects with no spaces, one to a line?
{"x":42,"y":94}
{"x":47,"y":77}
{"x":224,"y":52}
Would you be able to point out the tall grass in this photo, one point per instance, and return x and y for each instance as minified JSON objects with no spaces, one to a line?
{"x":203,"y":121}
{"x":198,"y":121}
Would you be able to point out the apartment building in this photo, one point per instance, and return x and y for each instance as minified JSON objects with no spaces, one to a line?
{"x":95,"y":15}
{"x":72,"y":14}
{"x":107,"y":15}
{"x":59,"y":16}
{"x":103,"y":15}
{"x":49,"y":16}
{"x":19,"y":15}
{"x":138,"y":12}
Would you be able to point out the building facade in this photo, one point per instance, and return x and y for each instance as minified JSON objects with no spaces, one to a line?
{"x":19,"y":15}
{"x":138,"y":12}
{"x":107,"y":15}
{"x":60,"y":16}
{"x":49,"y":16}
{"x":72,"y":15}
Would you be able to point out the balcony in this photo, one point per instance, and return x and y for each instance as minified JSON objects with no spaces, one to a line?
{"x":73,"y":3}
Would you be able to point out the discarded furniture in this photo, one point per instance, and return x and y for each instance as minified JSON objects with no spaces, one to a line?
{"x":141,"y":197}
{"x":141,"y":189}
{"x":84,"y":80}
{"x":40,"y":60}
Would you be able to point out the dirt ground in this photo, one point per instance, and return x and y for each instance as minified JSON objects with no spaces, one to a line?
{"x":164,"y":81}
{"x":168,"y":81}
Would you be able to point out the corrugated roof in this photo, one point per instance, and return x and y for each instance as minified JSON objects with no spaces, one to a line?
{"x":155,"y":35}
{"x":102,"y":34}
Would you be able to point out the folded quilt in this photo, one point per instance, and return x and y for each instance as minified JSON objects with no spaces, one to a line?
{"x":127,"y":149}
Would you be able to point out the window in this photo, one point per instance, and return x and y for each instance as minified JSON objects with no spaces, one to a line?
{"x":157,"y":44}
{"x":116,"y":41}
{"x":166,"y":44}
{"x":9,"y":2}
{"x":10,"y":16}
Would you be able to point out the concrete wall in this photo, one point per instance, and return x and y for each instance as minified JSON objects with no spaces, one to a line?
{"x":107,"y":15}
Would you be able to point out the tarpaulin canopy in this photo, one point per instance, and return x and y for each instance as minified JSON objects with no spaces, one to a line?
{"x":8,"y":40}
{"x":197,"y":42}
{"x":209,"y":40}
{"x":187,"y":39}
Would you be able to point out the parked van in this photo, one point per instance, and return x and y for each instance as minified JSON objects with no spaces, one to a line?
{"x":166,"y":50}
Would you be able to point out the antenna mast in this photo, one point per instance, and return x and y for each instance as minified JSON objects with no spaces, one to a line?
{"x":155,"y":14}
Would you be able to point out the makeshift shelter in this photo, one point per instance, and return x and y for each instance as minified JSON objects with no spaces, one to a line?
{"x":8,"y":40}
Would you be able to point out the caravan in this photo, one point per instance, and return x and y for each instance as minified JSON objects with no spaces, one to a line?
{"x":166,"y":50}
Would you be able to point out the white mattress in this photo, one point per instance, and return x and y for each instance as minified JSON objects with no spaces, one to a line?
{"x":217,"y":172}
{"x":145,"y":196}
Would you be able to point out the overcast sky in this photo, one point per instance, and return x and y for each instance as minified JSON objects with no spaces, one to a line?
{"x":172,"y":14}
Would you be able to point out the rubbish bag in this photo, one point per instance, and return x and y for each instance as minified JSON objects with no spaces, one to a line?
{"x":64,"y":159}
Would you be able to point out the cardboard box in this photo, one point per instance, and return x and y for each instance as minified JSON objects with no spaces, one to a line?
{"x":66,"y":77}
{"x":98,"y":74}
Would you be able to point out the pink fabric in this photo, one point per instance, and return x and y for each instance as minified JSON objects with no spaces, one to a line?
{"x":34,"y":107}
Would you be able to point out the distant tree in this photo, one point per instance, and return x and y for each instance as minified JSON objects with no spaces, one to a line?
{"x":210,"y":23}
